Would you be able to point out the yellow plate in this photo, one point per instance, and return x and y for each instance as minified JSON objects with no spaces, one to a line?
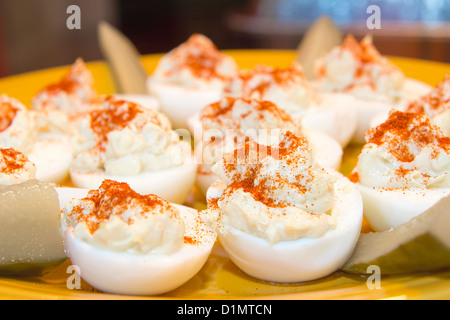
{"x":220,"y":278}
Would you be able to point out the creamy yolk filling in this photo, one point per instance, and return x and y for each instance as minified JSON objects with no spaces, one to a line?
{"x":15,"y":167}
{"x":406,"y":151}
{"x":274,"y":192}
{"x":195,"y":63}
{"x":231,"y":121}
{"x":71,"y":94}
{"x":116,"y":218}
{"x":359,"y":69}
{"x":122,"y":137}
{"x":286,"y":87}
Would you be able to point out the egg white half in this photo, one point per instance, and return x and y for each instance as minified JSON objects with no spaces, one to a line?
{"x":149,"y":274}
{"x":179,"y":103}
{"x":304,"y":259}
{"x":172,"y":184}
{"x":52,"y":154}
{"x":389,"y":208}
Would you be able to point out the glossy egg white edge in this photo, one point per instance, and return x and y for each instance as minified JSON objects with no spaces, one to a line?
{"x":389,"y":208}
{"x":52,"y":155}
{"x":179,"y":103}
{"x":335,"y":115}
{"x":145,"y":100}
{"x":304,"y":259}
{"x":150,"y":274}
{"x":172,"y":184}
{"x":326,"y":150}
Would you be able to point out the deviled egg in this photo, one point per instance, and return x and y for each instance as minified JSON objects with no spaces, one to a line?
{"x":57,"y":103}
{"x":123,"y":141}
{"x":128,"y":243}
{"x":50,"y":152}
{"x":189,"y":77}
{"x":280,"y":217}
{"x":358,"y":69}
{"x":402,"y":170}
{"x":31,"y":241}
{"x":231,"y":121}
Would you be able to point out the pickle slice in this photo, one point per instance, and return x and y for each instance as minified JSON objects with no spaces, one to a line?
{"x":31,"y":239}
{"x":421,"y":244}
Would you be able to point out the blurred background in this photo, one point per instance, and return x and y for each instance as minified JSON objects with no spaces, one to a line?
{"x":33,"y":33}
